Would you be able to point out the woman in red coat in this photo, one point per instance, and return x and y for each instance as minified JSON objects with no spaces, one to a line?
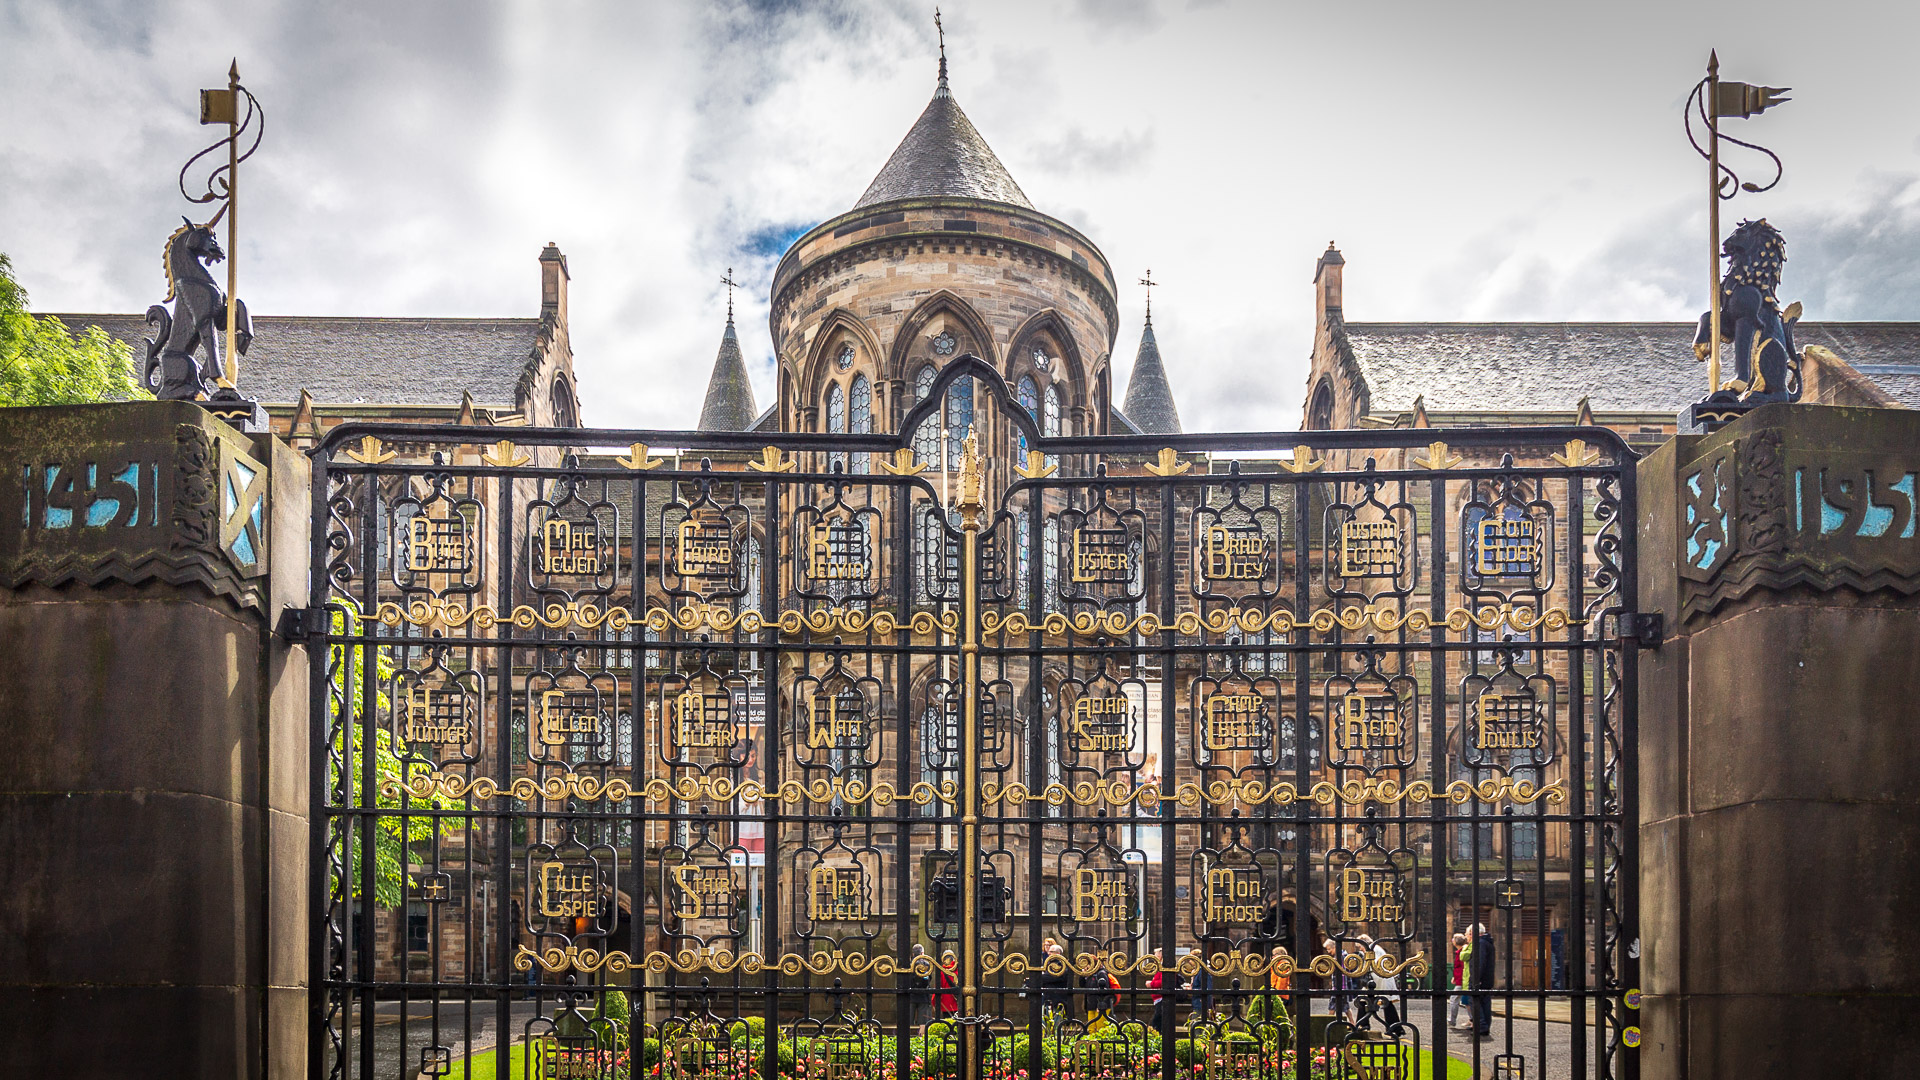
{"x":948,"y":980}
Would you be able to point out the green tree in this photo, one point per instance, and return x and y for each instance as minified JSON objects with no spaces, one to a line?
{"x":41,"y":363}
{"x":392,"y":834}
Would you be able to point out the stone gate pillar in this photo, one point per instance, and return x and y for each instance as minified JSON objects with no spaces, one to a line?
{"x":153,"y":784}
{"x":1780,"y":747}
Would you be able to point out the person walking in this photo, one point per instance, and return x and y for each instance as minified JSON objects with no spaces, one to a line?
{"x":1165,"y":985}
{"x":1482,"y":982}
{"x":1461,"y":951}
{"x":948,"y":974}
{"x":1339,"y":978}
{"x":917,"y":985}
{"x":1056,"y":991}
{"x":1384,"y":985}
{"x":1103,"y":994}
{"x":1202,"y":991}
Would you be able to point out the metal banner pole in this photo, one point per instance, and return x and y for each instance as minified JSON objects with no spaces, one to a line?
{"x":232,"y":374}
{"x":1713,"y":222}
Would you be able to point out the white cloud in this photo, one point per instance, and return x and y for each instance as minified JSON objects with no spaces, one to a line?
{"x":1473,"y":163}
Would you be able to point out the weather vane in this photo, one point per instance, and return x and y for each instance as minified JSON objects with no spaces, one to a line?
{"x":729,"y":283}
{"x":201,"y":313}
{"x":1743,"y":309}
{"x":1149,"y":283}
{"x":942,"y":31}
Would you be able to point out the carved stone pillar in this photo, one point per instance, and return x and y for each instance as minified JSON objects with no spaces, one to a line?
{"x":153,"y":796}
{"x":1780,"y":747}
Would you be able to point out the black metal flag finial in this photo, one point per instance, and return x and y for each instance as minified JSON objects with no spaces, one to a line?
{"x":942,"y":32}
{"x":729,"y":283}
{"x":1149,"y":283}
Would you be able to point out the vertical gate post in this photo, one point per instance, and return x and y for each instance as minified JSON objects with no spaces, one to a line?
{"x":153,"y":796}
{"x":1779,"y":751}
{"x":970,"y":504}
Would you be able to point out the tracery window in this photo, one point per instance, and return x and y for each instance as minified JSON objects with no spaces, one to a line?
{"x":837,"y":419}
{"x":959,"y":418}
{"x":927,"y":440}
{"x":1022,"y":556}
{"x":1049,"y":560}
{"x":860,"y":418}
{"x":1028,"y":394}
{"x":1050,"y":426}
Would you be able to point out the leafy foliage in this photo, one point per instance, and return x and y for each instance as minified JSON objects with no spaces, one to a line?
{"x":392,"y":835}
{"x":42,"y":363}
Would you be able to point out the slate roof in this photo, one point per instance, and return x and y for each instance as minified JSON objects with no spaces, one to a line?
{"x":349,"y":360}
{"x":943,"y":154}
{"x":1149,"y":401}
{"x":729,"y":405}
{"x":1620,"y":367}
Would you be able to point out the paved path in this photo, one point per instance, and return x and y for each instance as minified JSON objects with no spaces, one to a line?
{"x":1545,"y":1047}
{"x":398,"y":1040}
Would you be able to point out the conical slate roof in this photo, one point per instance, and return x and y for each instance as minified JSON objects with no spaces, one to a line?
{"x":729,"y":405}
{"x":943,"y":154}
{"x":1149,"y":402}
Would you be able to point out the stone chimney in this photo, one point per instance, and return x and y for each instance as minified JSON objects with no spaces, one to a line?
{"x":553,"y":284}
{"x":1326,"y":284}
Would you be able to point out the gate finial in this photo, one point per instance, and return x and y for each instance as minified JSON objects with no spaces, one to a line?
{"x":970,"y":503}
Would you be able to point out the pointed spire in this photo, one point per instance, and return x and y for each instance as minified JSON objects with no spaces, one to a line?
{"x":305,"y":433}
{"x":1420,"y":412}
{"x":943,"y":155}
{"x":468,"y":415}
{"x":729,"y":405}
{"x":1585,"y":417}
{"x":1149,"y":401}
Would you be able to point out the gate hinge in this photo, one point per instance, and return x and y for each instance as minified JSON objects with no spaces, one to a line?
{"x":1647,"y":628}
{"x":296,"y":624}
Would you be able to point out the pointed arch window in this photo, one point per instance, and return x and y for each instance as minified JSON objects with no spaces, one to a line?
{"x":926,"y":440}
{"x":837,"y":419}
{"x":860,"y":416}
{"x":959,"y":418}
{"x":1050,"y":424}
{"x":1028,"y":394}
{"x":1049,"y":560}
{"x":1022,"y":556}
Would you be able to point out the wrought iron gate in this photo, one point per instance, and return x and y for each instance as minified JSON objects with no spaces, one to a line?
{"x":877,"y":756}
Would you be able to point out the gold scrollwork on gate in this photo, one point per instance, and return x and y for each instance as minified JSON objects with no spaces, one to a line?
{"x":1118,"y":793}
{"x":559,"y":961}
{"x":1523,"y":620}
{"x":693,"y":617}
{"x":883,"y":793}
{"x":1220,"y":965}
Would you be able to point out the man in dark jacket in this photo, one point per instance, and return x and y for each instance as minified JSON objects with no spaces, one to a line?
{"x":1482,"y":982}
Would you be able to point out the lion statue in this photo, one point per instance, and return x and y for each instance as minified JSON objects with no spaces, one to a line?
{"x":1753,"y":330}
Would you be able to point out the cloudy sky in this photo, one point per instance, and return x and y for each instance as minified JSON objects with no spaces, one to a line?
{"x":1475,"y":161}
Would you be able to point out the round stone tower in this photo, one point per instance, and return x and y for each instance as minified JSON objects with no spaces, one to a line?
{"x":943,"y":256}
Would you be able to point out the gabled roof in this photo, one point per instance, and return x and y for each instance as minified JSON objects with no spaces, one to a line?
{"x":1149,"y":401}
{"x":1620,"y":367}
{"x":347,"y":360}
{"x":943,"y":155}
{"x":729,"y":404}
